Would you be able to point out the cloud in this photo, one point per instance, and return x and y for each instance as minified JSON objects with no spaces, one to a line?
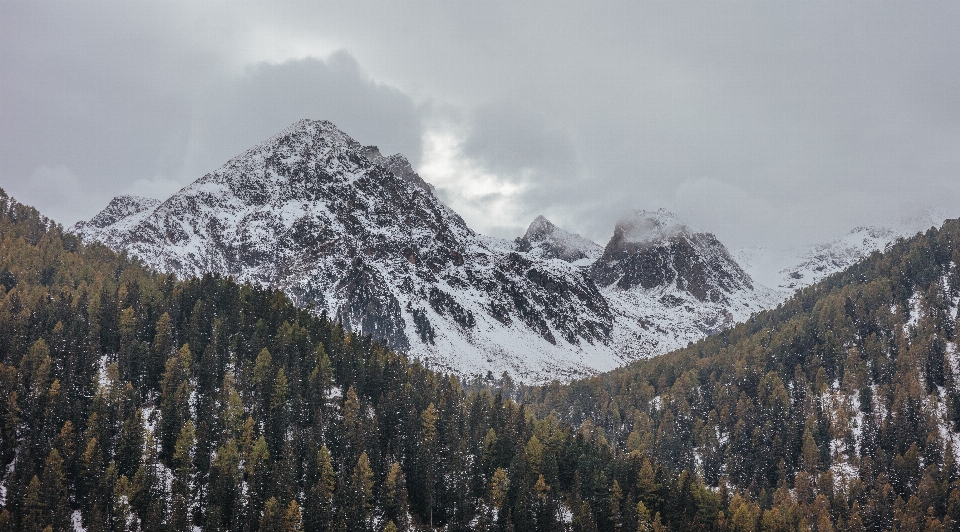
{"x":735,"y":215}
{"x":501,"y":165}
{"x":56,"y":188}
{"x":143,"y":102}
{"x":491,"y":202}
{"x":762,"y":120}
{"x":240,"y":112}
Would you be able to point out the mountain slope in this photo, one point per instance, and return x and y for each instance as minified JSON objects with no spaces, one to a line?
{"x":670,"y":285}
{"x":134,"y":401}
{"x":545,"y":240}
{"x":841,"y":404}
{"x":362,"y":237}
{"x":787,"y":270}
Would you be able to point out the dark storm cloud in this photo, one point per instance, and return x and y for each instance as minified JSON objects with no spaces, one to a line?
{"x":760,"y":121}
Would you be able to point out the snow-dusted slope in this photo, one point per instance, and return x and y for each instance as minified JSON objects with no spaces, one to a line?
{"x":113,"y":224}
{"x":545,"y":240}
{"x":361,"y":236}
{"x":668,"y":284}
{"x":791,"y":269}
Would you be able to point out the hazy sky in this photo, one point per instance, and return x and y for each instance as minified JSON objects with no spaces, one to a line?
{"x":758,"y":121}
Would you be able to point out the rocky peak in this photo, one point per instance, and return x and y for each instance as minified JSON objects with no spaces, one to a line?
{"x":122,"y":207}
{"x":643,"y":227}
{"x":398,"y":165}
{"x":546,"y":240}
{"x":343,"y":229}
{"x":655,"y":249}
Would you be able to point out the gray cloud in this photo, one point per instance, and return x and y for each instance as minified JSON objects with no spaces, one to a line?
{"x":758,"y":121}
{"x":239,"y":112}
{"x":122,"y":103}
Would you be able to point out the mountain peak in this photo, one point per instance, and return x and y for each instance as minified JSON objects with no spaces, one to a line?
{"x":357,"y":234}
{"x":120,"y":207}
{"x":642,"y":227}
{"x":545,"y":239}
{"x":656,"y":249}
{"x":540,"y":225}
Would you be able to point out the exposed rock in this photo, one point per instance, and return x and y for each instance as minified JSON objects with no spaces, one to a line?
{"x":361,"y":236}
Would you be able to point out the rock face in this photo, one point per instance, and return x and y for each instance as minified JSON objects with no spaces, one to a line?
{"x":650,"y":250}
{"x":547,"y":241}
{"x":110,"y":224}
{"x":361,"y":236}
{"x":670,"y":284}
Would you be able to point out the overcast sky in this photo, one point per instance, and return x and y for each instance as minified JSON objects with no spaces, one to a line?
{"x":761,"y":122}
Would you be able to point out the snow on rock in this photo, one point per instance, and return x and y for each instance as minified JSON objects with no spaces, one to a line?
{"x":543,"y":239}
{"x":822,"y":260}
{"x":645,"y":227}
{"x":788,"y":269}
{"x":122,"y":214}
{"x":346,"y":230}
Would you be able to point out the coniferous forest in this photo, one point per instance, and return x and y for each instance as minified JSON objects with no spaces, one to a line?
{"x":132,"y":400}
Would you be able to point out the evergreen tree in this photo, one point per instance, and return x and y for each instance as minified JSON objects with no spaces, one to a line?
{"x":318,"y":515}
{"x":174,"y":399}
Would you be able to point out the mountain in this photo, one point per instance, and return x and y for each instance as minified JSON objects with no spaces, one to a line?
{"x":840,"y":407}
{"x":360,"y":236}
{"x":787,"y":270}
{"x":133,"y":401}
{"x":669,"y":284}
{"x":547,"y":241}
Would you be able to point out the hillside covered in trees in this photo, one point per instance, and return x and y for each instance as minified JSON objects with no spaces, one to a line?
{"x":136,"y":401}
{"x":840,"y":409}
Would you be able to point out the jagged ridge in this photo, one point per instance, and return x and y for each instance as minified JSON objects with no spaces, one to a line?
{"x":362,"y":237}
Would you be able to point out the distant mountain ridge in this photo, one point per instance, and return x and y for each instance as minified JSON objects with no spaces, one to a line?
{"x":787,"y":270}
{"x":361,"y":236}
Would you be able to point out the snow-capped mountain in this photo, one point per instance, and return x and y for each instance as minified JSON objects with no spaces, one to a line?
{"x":362,"y":237}
{"x":668,"y":284}
{"x":788,"y":270}
{"x":547,"y":241}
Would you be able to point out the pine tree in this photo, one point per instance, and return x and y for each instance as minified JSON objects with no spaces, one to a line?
{"x":427,"y":457}
{"x":257,"y":465}
{"x":174,"y":399}
{"x":160,"y":349}
{"x":319,"y":511}
{"x":183,"y":469}
{"x":583,"y":520}
{"x":54,"y":491}
{"x":361,"y":493}
{"x":292,"y":519}
{"x":122,"y":515}
{"x":272,"y":518}
{"x":616,"y":500}
{"x":855,"y":523}
{"x":224,"y":484}
{"x":397,"y":506}
{"x":35,"y":516}
{"x":352,"y":424}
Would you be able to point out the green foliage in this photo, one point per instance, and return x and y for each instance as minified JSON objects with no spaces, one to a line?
{"x":268,"y":417}
{"x":843,"y":393}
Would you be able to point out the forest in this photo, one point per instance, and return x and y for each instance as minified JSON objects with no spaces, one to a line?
{"x":838,"y":410}
{"x":132,"y":400}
